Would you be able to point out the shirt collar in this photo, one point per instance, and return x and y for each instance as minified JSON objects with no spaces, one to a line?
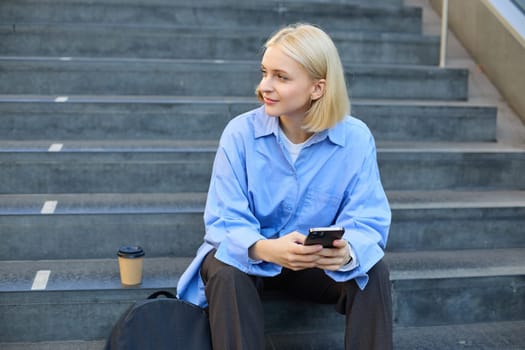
{"x":336,"y":134}
{"x":266,"y":125}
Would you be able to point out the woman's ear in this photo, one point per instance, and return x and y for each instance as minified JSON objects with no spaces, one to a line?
{"x":318,"y":89}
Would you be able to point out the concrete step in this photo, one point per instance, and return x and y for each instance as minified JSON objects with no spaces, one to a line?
{"x":386,"y":15}
{"x":265,"y":16}
{"x":172,"y":224}
{"x":479,"y":336}
{"x":70,"y":76}
{"x":185,"y":166}
{"x":447,"y":220}
{"x":199,"y":119}
{"x":163,"y":224}
{"x":56,"y":345}
{"x":165,"y":167}
{"x":97,"y":40}
{"x":83,"y":298}
{"x":86,"y":309}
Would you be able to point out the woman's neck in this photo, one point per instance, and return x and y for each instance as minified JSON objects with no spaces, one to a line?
{"x":292,"y":128}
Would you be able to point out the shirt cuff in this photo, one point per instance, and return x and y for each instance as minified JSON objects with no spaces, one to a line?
{"x":353,"y":263}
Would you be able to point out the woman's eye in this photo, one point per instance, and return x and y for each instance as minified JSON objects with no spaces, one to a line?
{"x":282,"y":77}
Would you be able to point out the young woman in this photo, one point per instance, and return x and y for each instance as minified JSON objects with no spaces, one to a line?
{"x":299,"y":161}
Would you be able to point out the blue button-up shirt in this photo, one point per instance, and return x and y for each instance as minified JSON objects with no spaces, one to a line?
{"x":256,"y":192}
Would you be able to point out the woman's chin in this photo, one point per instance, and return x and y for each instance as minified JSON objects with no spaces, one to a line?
{"x":272,"y":112}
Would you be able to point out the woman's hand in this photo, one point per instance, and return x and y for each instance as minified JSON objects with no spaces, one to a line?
{"x":287,"y":251}
{"x":334,"y":258}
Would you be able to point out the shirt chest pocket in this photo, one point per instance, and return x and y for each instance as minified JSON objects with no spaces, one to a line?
{"x":319,"y":208}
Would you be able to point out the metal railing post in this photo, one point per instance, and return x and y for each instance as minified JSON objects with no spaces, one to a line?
{"x":444,"y":28}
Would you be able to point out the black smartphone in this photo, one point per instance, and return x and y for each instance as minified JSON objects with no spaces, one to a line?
{"x":324,"y":236}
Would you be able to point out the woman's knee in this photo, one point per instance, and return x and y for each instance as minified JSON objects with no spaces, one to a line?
{"x":380,"y":271}
{"x":379,"y":278}
{"x":216,"y":272}
{"x":228,"y":275}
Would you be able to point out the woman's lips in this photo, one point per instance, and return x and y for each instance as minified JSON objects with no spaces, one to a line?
{"x":269,"y":101}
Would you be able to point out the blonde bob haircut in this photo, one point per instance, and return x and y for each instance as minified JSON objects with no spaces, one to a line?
{"x":313,"y":49}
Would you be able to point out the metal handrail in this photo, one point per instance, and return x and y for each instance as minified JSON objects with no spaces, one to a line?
{"x":444,"y":28}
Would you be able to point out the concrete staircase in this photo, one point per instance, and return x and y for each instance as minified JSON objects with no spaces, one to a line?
{"x":111,"y":112}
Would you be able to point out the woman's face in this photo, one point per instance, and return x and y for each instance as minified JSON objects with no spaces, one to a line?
{"x":286,"y":87}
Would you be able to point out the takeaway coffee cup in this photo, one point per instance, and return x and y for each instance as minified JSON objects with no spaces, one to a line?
{"x":130,"y":260}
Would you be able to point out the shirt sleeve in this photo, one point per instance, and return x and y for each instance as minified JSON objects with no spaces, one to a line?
{"x":230,"y":224}
{"x":366,"y":216}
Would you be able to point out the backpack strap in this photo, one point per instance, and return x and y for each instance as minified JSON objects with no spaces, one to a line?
{"x":163,"y":293}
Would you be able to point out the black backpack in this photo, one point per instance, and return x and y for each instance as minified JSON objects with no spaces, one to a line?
{"x":161,"y":323}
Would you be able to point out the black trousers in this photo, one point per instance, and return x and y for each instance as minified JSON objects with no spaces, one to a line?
{"x":236,"y":312}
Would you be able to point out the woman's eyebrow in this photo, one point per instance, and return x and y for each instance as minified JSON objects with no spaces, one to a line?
{"x":277,"y":70}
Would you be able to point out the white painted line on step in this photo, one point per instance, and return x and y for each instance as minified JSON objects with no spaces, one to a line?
{"x":61,"y":99}
{"x":41,"y":279}
{"x":66,"y":58}
{"x":49,"y":207}
{"x":55,"y":147}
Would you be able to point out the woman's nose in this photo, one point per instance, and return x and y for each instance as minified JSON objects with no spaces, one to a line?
{"x":265,"y":84}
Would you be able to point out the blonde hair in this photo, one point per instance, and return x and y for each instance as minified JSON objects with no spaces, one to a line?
{"x":313,"y":49}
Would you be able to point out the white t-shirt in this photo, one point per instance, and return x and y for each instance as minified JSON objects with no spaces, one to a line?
{"x":293,"y":148}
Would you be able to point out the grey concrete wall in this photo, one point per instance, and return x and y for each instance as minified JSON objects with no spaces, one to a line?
{"x":499,"y":52}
